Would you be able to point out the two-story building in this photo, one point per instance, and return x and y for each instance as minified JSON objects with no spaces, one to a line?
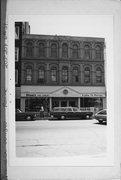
{"x":62,"y":71}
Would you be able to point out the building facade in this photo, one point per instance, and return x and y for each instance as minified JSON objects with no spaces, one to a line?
{"x":20,"y":29}
{"x":62,"y":71}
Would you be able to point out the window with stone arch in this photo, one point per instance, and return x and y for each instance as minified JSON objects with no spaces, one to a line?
{"x":64,"y":50}
{"x":65,"y":74}
{"x":98,"y":52}
{"x":54,"y":50}
{"x":87,"y":52}
{"x":75,"y":51}
{"x":29,"y":49}
{"x":53,"y":74}
{"x":87,"y":75}
{"x":41,"y":75}
{"x":41,"y":49}
{"x":28,"y":74}
{"x":75,"y":74}
{"x":99,"y":75}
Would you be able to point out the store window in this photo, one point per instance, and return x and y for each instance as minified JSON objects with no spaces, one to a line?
{"x":64,"y":74}
{"x":29,"y":49}
{"x":29,"y":74}
{"x":53,"y":50}
{"x":53,"y":74}
{"x":75,"y":51}
{"x":64,"y":50}
{"x":87,"y":52}
{"x":42,"y":50}
{"x":16,"y":54}
{"x":98,"y":75}
{"x":41,"y":75}
{"x":98,"y":52}
{"x":75,"y":74}
{"x":87,"y":75}
{"x":17,"y":32}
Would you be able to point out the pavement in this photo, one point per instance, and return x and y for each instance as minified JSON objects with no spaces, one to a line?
{"x":43,"y":138}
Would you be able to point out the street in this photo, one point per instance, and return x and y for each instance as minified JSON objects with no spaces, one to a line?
{"x":52,"y":138}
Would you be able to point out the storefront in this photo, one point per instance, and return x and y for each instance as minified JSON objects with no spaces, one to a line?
{"x":32,"y":98}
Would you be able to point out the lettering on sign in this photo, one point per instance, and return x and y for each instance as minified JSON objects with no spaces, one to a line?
{"x":37,"y":95}
{"x":93,"y":95}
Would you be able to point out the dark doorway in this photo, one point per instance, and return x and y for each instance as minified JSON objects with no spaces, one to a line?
{"x":63,"y":103}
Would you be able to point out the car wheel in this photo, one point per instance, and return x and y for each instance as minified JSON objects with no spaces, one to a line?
{"x":62,"y":117}
{"x":28,"y":118}
{"x":87,"y":116}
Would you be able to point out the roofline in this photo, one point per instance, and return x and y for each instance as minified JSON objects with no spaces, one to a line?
{"x":63,"y":36}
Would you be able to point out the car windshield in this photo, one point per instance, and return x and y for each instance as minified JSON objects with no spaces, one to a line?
{"x":75,"y":109}
{"x":69,"y":109}
{"x":102,"y":112}
{"x":59,"y":109}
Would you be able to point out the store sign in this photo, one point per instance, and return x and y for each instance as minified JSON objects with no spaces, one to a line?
{"x":36,"y":95}
{"x":66,"y":93}
{"x":93,"y":95}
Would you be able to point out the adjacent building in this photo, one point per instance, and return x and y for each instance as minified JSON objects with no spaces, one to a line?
{"x":62,"y":71}
{"x":20,"y":29}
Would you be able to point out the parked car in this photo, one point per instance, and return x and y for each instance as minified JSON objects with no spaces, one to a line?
{"x":101,"y":116}
{"x":28,"y":116}
{"x":70,"y":112}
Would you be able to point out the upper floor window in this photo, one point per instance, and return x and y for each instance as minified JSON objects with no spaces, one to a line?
{"x":75,"y":51}
{"x":64,"y":74}
{"x":98,"y":75}
{"x":29,"y":74}
{"x":16,"y":76}
{"x":87,"y":75}
{"x":87,"y":52}
{"x":29,"y":49}
{"x":98,"y":52}
{"x":41,"y":75}
{"x":64,"y":50}
{"x":53,"y":74}
{"x":53,"y":50}
{"x":16,"y":54}
{"x":42,"y":50}
{"x":17,"y":32}
{"x":76,"y":74}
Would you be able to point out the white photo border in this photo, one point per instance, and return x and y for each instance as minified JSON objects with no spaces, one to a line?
{"x":18,"y":168}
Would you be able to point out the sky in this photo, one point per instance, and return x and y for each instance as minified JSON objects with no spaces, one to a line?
{"x":74,"y":25}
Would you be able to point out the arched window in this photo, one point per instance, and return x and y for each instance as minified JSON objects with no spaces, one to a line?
{"x":64,"y":50}
{"x":98,"y":52}
{"x":29,"y":49}
{"x":86,"y":52}
{"x":53,"y":50}
{"x":75,"y":74}
{"x":75,"y":51}
{"x":53,"y":74}
{"x":41,"y":75}
{"x":29,"y":74}
{"x":42,"y":50}
{"x":98,"y":75}
{"x":64,"y":74}
{"x":87,"y":75}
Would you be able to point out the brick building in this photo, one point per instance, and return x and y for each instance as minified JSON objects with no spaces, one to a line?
{"x":20,"y":29}
{"x":62,"y":71}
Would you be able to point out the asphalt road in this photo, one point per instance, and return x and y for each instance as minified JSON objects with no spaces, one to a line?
{"x":43,"y":138}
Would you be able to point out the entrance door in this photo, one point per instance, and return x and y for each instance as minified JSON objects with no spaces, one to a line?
{"x":72,"y":103}
{"x":63,"y":103}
